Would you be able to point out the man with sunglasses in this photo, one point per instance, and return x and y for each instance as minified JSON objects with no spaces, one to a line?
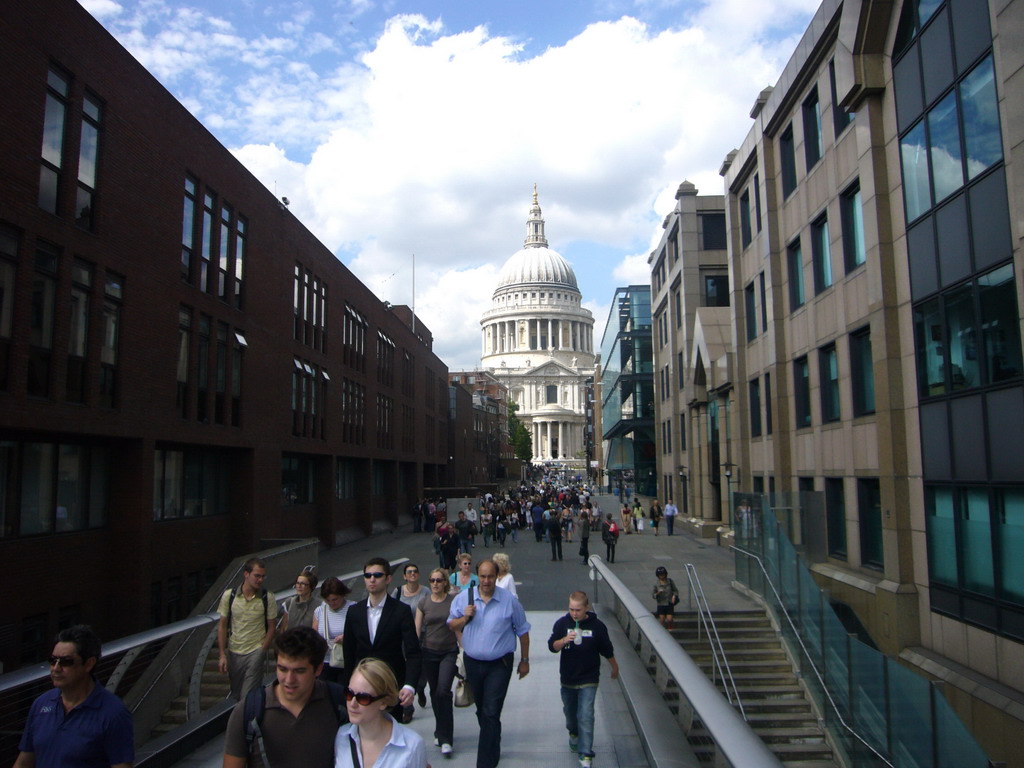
{"x":382,"y":627}
{"x":291,"y":722}
{"x":78,"y":724}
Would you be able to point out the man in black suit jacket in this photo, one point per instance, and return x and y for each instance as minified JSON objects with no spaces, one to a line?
{"x":382,"y":627}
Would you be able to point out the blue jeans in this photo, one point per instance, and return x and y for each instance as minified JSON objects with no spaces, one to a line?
{"x":489,"y":682}
{"x":578,"y":706}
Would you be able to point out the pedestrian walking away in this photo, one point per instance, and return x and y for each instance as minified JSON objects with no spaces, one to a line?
{"x":610,"y":537}
{"x":581,"y":640}
{"x":248,"y":620}
{"x":78,"y":723}
{"x":490,"y":625}
{"x":554,"y":531}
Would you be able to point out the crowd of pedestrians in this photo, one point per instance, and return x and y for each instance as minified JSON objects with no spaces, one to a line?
{"x":349,"y":672}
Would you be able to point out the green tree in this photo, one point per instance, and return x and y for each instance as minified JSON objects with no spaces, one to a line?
{"x":519,"y":435}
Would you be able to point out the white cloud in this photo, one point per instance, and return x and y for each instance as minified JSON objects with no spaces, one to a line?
{"x":430,"y":141}
{"x":102,"y":9}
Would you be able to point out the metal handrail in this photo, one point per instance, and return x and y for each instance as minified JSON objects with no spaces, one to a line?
{"x":810,"y":660}
{"x":705,"y":619}
{"x":733,"y":736}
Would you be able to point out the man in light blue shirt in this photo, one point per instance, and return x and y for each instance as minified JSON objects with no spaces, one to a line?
{"x":490,"y":626}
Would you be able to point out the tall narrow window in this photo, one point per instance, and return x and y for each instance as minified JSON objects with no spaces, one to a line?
{"x":111,"y":325}
{"x":828,"y":381}
{"x":767,"y":403}
{"x":854,"y":253}
{"x":787,"y":155}
{"x":835,"y":515}
{"x":224,"y":256}
{"x":206,"y":248}
{"x":869,"y":508}
{"x":241,"y":226}
{"x":757,"y":201}
{"x":812,"y":129}
{"x":78,"y":338}
{"x":188,"y":229}
{"x":822,"y":255}
{"x":745,"y":234}
{"x":795,"y":265}
{"x":751,"y":311}
{"x":54,"y":123}
{"x":754,"y":387}
{"x":203,"y":369}
{"x":237,"y":352}
{"x":44,"y":286}
{"x":9,"y":241}
{"x":802,"y":393}
{"x":862,"y":372}
{"x":764,"y":303}
{"x":221,"y":375}
{"x":88,"y":159}
{"x":184,"y":345}
{"x":840,"y":117}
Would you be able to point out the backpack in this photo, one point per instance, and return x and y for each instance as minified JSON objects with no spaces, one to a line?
{"x":256,"y":707}
{"x":613,"y":530}
{"x":231,"y":602}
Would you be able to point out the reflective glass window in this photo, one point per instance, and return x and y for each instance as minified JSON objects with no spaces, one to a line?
{"x":982,"y":141}
{"x":916,"y":177}
{"x":1000,"y":324}
{"x":944,"y":147}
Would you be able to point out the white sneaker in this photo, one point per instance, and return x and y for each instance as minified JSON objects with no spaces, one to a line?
{"x":586,"y":762}
{"x":446,"y":750}
{"x":437,"y":742}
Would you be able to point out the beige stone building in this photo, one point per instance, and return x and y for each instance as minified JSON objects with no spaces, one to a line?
{"x":872,"y":352}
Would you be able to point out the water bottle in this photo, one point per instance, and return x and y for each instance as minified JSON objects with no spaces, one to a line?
{"x":578,"y":640}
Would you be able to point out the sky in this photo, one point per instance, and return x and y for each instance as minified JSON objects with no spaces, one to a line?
{"x":407,"y":131}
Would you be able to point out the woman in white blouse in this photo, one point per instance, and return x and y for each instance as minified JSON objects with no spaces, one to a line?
{"x":505,"y":578}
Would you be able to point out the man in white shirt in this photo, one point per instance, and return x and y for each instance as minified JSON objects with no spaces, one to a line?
{"x":670,"y":515}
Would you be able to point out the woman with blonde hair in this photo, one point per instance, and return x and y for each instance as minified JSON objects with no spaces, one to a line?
{"x":505,"y":578}
{"x":372,"y":737}
{"x":464,"y":577}
{"x":440,"y":650}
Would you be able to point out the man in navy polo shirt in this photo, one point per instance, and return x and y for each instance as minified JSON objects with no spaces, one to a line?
{"x":79,"y":724}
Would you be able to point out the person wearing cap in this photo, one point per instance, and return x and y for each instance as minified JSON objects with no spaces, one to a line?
{"x":666,"y":596}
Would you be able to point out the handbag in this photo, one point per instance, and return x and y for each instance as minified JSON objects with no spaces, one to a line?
{"x":336,"y":657}
{"x":463,"y":693}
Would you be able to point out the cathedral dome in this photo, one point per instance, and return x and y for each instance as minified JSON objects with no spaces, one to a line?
{"x":537,"y":264}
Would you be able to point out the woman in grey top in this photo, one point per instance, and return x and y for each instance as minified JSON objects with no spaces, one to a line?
{"x":411,"y":592}
{"x":440,"y":648}
{"x":298,"y":610}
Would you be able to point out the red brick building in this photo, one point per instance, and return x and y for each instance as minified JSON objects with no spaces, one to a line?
{"x":185,"y":371}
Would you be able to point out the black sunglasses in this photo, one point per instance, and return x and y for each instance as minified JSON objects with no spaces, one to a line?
{"x":63,"y":661}
{"x":437,"y":580}
{"x":374,"y":575}
{"x":363,"y":699}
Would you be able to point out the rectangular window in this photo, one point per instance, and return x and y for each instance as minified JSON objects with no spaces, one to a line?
{"x":206,"y":247}
{"x":854,"y":253}
{"x":88,"y":161}
{"x":716,"y":290}
{"x":44,"y":286}
{"x":802,"y":393}
{"x":203,"y":369}
{"x":795,"y":268}
{"x":682,"y":432}
{"x":813,"y":145}
{"x":862,"y":372}
{"x":62,"y":487}
{"x":840,"y":117}
{"x":712,"y":226}
{"x":184,"y":349}
{"x":9,"y":241}
{"x":755,"y":407}
{"x":241,"y":226}
{"x":828,"y":381}
{"x":677,"y":306}
{"x":297,"y":473}
{"x":745,"y":234}
{"x":835,"y":513}
{"x":193,"y":482}
{"x":52,"y":154}
{"x":757,"y":201}
{"x":869,"y":508}
{"x":751,"y":312}
{"x":237,"y":356}
{"x":78,"y":339}
{"x":767,"y":403}
{"x":224,"y":253}
{"x":111,"y":333}
{"x":188,"y":228}
{"x":787,"y":156}
{"x":764,"y":303}
{"x":821,"y":254}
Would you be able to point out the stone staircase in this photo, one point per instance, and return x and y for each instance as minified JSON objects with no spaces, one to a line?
{"x":214,"y":689}
{"x":773,"y":700}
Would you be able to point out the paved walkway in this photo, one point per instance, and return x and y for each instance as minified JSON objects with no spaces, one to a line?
{"x":534,"y":732}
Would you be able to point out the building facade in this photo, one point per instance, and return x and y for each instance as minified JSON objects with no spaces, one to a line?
{"x":627,"y":394}
{"x":185,"y":371}
{"x":538,"y":340}
{"x":874,"y":223}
